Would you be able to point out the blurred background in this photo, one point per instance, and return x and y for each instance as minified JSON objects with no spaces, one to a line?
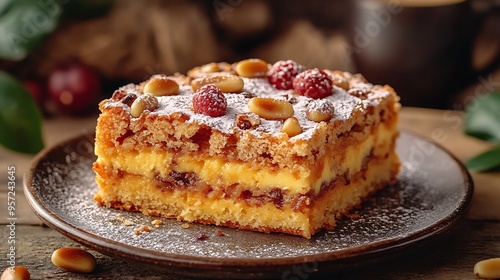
{"x":99,"y":45}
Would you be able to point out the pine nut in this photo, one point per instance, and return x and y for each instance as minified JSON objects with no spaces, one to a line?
{"x":161,"y":86}
{"x":488,"y":269}
{"x":252,"y":68}
{"x":340,"y":80}
{"x":319,"y":110}
{"x":225,"y":82}
{"x":144,"y":102}
{"x":270,"y":108}
{"x":74,"y":260}
{"x":180,"y":79}
{"x":226,"y":67}
{"x":15,"y":273}
{"x":291,"y":127}
{"x":210,"y":68}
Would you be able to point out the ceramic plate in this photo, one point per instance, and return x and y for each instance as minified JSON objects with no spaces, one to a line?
{"x":433,"y":192}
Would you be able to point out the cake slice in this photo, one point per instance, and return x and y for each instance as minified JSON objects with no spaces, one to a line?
{"x":251,"y":146}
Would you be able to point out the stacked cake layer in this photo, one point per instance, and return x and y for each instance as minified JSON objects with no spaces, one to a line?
{"x":258,"y":165}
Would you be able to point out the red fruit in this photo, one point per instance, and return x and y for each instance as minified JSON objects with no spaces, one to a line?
{"x":282,"y":73}
{"x":209,"y":100}
{"x":314,"y":83}
{"x":74,"y":88}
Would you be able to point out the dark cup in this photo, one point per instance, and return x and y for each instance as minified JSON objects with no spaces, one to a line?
{"x":421,"y":48}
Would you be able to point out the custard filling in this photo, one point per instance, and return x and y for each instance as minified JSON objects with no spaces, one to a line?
{"x":375,"y":170}
{"x":217,"y":171}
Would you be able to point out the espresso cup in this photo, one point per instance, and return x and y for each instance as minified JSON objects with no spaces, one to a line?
{"x":422,"y":48}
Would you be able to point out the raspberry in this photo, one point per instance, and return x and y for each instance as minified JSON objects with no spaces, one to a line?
{"x":314,"y":83}
{"x":209,"y":100}
{"x":282,"y":73}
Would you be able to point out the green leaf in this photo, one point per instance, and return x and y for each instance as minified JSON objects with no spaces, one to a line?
{"x":20,"y":119}
{"x":24,"y":24}
{"x":84,"y":9}
{"x":482,"y":118}
{"x":485,"y":161}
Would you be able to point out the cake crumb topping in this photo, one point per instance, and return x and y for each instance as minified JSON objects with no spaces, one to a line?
{"x":141,"y":229}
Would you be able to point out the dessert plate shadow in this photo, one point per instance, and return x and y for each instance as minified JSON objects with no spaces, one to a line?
{"x":433,"y":193}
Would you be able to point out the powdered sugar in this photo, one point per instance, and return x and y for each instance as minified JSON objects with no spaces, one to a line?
{"x":323,"y":106}
{"x":344,"y":104}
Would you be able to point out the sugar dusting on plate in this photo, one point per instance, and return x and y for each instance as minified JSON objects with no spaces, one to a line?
{"x":64,"y":186}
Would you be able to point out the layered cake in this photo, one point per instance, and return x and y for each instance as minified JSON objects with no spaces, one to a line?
{"x":249,"y":145}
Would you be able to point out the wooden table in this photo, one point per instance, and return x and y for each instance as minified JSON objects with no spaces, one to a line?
{"x":452,"y":257}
